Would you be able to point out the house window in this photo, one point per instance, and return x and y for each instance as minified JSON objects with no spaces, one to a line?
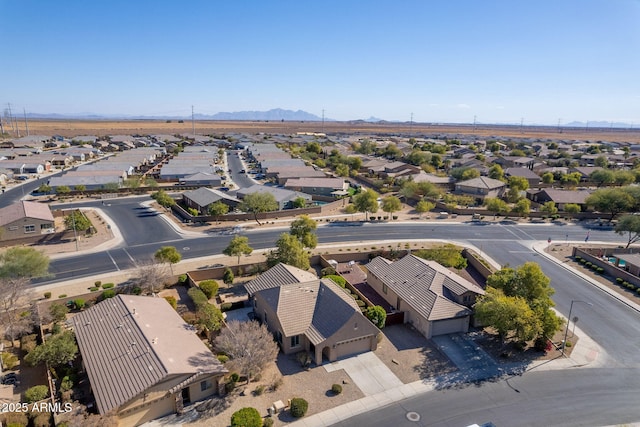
{"x":295,"y":341}
{"x":46,"y":226}
{"x":384,"y":288}
{"x":205,"y":385}
{"x":30,"y":228}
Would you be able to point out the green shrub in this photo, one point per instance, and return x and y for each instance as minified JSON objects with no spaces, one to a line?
{"x":9,"y":360}
{"x":583,"y":261}
{"x":619,"y":280}
{"x":327,"y":271}
{"x":588,"y":264}
{"x":631,"y":286}
{"x":108,"y":285}
{"x":625,"y":283}
{"x":225,"y":306}
{"x":600,"y":270}
{"x":209,"y":287}
{"x":267,"y":422}
{"x":235,"y":377}
{"x":97,"y":283}
{"x":47,"y":295}
{"x":62,"y":296}
{"x":299,"y":407}
{"x":246,"y":417}
{"x":137,"y":290}
{"x":223,"y":358}
{"x":94,"y":289}
{"x":638,"y":290}
{"x":228,"y":276}
{"x":79,"y":303}
{"x":578,"y":258}
{"x":109,"y":293}
{"x":198,"y":297}
{"x":361,"y":303}
{"x":568,"y":344}
{"x":447,"y":255}
{"x":173,"y":302}
{"x":259,"y":390}
{"x":36,"y":393}
{"x":66,"y":384}
{"x":336,"y":388}
{"x":340,"y":281}
{"x":28,"y":343}
{"x":182,"y":278}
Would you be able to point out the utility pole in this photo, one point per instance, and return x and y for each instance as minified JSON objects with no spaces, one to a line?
{"x":26,"y":123}
{"x":193,"y":123}
{"x":559,"y":121}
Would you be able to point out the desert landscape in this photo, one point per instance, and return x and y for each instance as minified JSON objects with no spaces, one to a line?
{"x":70,"y":128}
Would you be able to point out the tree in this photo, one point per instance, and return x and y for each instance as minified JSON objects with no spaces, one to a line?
{"x":150,"y":276}
{"x":303,"y":228}
{"x":572,"y":208}
{"x":342,"y":170}
{"x":57,"y":350}
{"x":547,"y":178}
{"x":258,"y":202}
{"x":77,"y":221}
{"x":601,"y":161}
{"x":611,"y":200}
{"x":289,"y":250}
{"x":246,"y":417}
{"x":80,"y":188}
{"x":228,"y":277}
{"x":496,"y":205}
{"x":377,"y":315}
{"x":391,"y":204}
{"x":62,"y":190}
{"x":629,"y":224}
{"x":602,"y":177}
{"x":571,"y":180}
{"x":517,"y":184}
{"x":239,"y":245}
{"x":44,"y":188}
{"x":507,"y":315}
{"x":249,"y":346}
{"x":424,"y":206}
{"x":299,"y":202}
{"x":469,"y":174}
{"x":23,"y":262}
{"x":355,"y":163}
{"x":623,"y":177}
{"x":218,"y":208}
{"x":366,"y":202}
{"x":58,"y":312}
{"x":522,"y":207}
{"x":496,"y":172}
{"x":168,"y":255}
{"x":163,"y":198}
{"x":549,"y":208}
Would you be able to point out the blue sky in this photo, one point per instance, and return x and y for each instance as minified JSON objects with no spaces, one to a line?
{"x":443,"y":61}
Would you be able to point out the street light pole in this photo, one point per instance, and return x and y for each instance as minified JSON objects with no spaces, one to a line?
{"x":566,"y":331}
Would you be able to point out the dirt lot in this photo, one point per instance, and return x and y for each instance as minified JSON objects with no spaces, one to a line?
{"x":71,"y":128}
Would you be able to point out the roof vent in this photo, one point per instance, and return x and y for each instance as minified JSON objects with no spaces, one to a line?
{"x":134,"y":311}
{"x":155,"y":340}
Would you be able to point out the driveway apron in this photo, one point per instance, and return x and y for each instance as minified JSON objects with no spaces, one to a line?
{"x":368,"y":372}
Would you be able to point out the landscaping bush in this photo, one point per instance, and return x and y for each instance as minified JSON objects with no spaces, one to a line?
{"x":226,"y":306}
{"x":619,"y":280}
{"x":304,"y":359}
{"x":9,"y":360}
{"x":336,"y":388}
{"x":198,"y":297}
{"x":109,"y":293}
{"x":246,"y":417}
{"x":625,"y":283}
{"x":223,"y":358}
{"x":638,"y":291}
{"x":28,"y":343}
{"x":578,"y":258}
{"x":228,"y":276}
{"x":173,"y":302}
{"x":209,"y":287}
{"x":36,"y":394}
{"x":47,"y":295}
{"x":235,"y":377}
{"x":588,"y":264}
{"x":361,"y":303}
{"x":94,"y":289}
{"x":583,"y":261}
{"x":79,"y":303}
{"x":631,"y":287}
{"x":267,"y":422}
{"x":182,"y":278}
{"x":108,"y":285}
{"x":299,"y":407}
{"x":62,"y":296}
{"x":67,"y":383}
{"x":97,"y":283}
{"x":600,"y":270}
{"x":277,"y":384}
{"x":259,"y":390}
{"x":327,"y":271}
{"x":137,"y":290}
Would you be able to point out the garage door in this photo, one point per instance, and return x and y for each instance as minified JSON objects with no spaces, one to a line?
{"x":450,"y":326}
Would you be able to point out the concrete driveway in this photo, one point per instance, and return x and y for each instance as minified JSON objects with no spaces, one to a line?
{"x":368,"y":372}
{"x":464,"y":353}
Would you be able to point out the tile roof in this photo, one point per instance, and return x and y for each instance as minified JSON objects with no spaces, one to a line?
{"x":333,"y":183}
{"x":566,"y":196}
{"x":204,"y":196}
{"x":483,"y":182}
{"x":130,"y":343}
{"x":278,"y":275}
{"x":424,"y":285}
{"x":24,"y":209}
{"x":317,"y":309}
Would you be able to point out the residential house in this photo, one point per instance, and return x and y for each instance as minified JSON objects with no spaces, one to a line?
{"x":329,"y":187}
{"x":434,"y":300}
{"x":515,"y":162}
{"x":481,"y":188}
{"x":143,"y":361}
{"x":585,"y":171}
{"x":203,"y":179}
{"x":283,"y":197}
{"x":204,"y":197}
{"x":531,"y":177}
{"x":316,"y":316}
{"x":277,"y":275}
{"x":25,"y":219}
{"x":630,"y":263}
{"x":560,"y":197}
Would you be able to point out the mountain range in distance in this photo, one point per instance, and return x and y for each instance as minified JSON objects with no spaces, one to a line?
{"x":276,"y":114}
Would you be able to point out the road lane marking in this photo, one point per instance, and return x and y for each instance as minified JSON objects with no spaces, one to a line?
{"x":129,"y":255}
{"x":113,"y":261}
{"x":505,"y":227}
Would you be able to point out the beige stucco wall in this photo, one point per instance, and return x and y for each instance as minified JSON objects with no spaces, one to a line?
{"x":9,"y":234}
{"x":148,"y":412}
